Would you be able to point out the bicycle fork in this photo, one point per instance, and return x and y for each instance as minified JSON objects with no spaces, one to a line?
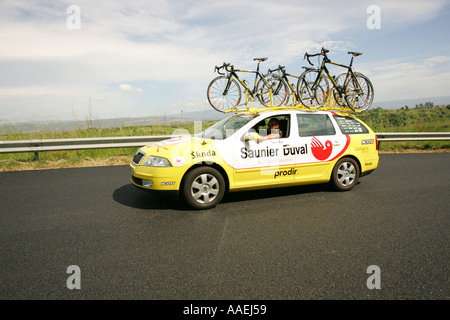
{"x":295,"y":97}
{"x":227,"y":87}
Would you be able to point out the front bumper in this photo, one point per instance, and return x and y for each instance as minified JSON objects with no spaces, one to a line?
{"x":138,"y":183}
{"x":155,"y":178}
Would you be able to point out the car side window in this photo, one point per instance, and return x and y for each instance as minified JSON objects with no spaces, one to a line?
{"x":284,"y":125}
{"x":314,"y":125}
{"x":349,"y":125}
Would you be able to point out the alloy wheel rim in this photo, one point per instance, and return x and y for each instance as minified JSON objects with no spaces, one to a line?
{"x":346,"y":174}
{"x":205,"y":188}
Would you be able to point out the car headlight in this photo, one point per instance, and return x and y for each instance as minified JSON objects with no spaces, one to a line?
{"x":153,"y":161}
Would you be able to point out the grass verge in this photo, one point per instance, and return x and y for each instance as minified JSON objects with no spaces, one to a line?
{"x":433,"y":119}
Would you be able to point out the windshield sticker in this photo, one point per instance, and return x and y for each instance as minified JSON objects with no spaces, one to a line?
{"x":173,"y":141}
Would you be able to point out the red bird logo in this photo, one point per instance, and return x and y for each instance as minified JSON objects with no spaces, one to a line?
{"x":319,"y":151}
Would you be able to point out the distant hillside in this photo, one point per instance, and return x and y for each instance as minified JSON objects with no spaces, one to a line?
{"x":397,"y":104}
{"x":423,"y":118}
{"x":39,"y":126}
{"x":205,"y":115}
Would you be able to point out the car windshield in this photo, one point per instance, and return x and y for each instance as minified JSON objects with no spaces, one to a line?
{"x":226,"y":127}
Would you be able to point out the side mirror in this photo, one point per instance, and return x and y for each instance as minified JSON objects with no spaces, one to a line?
{"x":251,"y":136}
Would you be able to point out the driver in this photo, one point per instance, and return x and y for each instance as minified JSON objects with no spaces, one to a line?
{"x":274,"y":131}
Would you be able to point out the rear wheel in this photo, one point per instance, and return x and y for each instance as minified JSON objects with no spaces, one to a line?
{"x":203,"y":188}
{"x":339,"y":96}
{"x":272,"y":93}
{"x":312,"y":96}
{"x":359,"y":92}
{"x":345,"y":174}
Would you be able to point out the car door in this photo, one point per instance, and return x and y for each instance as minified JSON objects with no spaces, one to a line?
{"x":317,"y":145}
{"x":264,"y":162}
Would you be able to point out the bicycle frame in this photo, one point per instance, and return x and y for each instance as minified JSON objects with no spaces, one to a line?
{"x":323,"y":69}
{"x":295,"y":96}
{"x":285,"y":78}
{"x":229,"y":81}
{"x":242,"y":82}
{"x":233,"y":74}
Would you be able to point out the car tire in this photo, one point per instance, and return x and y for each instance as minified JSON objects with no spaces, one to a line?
{"x":345,"y":174}
{"x":203,"y":188}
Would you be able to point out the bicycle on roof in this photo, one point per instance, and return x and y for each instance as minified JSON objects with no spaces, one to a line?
{"x":352,"y":89}
{"x":224,"y":92}
{"x":285,"y":77}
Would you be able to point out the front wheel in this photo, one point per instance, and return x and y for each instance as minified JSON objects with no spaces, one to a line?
{"x":345,"y":174}
{"x":203,"y":188}
{"x":224,"y":93}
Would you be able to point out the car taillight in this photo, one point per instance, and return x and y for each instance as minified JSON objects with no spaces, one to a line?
{"x":376,"y":142}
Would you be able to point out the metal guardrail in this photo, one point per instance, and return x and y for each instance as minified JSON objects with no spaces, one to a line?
{"x":36,"y":145}
{"x":412,"y":136}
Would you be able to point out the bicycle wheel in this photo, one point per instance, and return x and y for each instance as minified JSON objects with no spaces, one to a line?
{"x":309,"y":96}
{"x":339,"y":97}
{"x":359,"y":93}
{"x":221,"y":98}
{"x":274,"y":85}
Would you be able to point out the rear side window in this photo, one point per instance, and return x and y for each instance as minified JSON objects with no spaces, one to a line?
{"x":349,"y":125}
{"x":314,"y":125}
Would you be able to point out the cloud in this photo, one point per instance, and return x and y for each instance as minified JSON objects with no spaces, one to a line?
{"x":175,"y":40}
{"x":129,"y":88}
{"x":26,"y":91}
{"x":412,"y":12}
{"x":174,"y":43}
{"x":406,"y":78}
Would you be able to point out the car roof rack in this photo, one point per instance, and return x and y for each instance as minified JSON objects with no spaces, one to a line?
{"x":331,"y":105}
{"x":260,"y":109}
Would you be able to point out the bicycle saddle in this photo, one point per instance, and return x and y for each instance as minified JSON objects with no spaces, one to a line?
{"x":260,"y":59}
{"x":355,"y":54}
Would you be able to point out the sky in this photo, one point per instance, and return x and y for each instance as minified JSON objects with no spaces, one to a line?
{"x":78,"y":60}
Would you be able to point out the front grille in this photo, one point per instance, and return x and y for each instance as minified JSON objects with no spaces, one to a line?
{"x":138,"y":157}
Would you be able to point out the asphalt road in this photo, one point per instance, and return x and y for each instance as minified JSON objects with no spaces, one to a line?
{"x":295,"y":243}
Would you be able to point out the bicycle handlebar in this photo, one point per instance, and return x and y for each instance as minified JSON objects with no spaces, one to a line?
{"x":228,"y":67}
{"x":323,"y":52}
{"x":281,"y":68}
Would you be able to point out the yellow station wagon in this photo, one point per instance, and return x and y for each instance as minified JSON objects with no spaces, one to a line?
{"x":242,"y":152}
